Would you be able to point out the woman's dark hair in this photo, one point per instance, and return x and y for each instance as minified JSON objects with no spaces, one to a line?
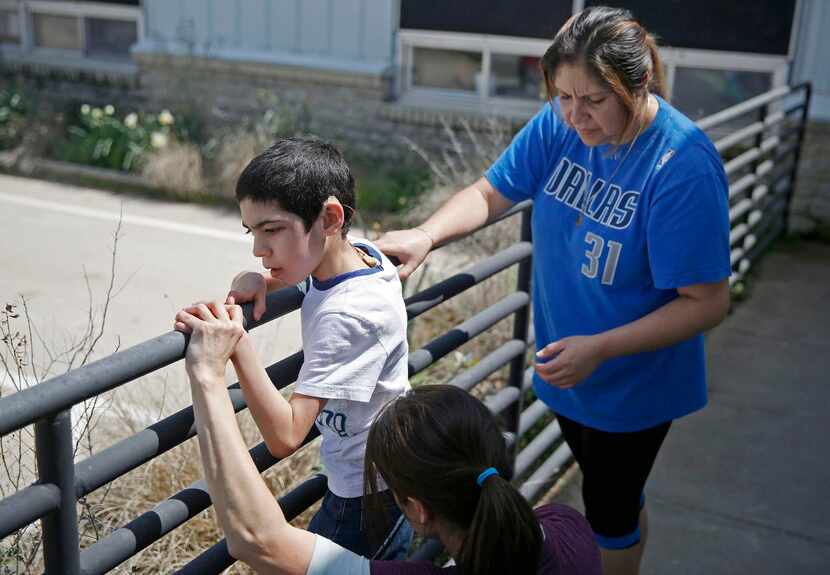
{"x":299,"y":173}
{"x":432,"y":444}
{"x":615,"y":48}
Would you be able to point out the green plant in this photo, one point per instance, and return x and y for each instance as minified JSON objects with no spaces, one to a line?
{"x":98,"y":137}
{"x":389,"y":189}
{"x":14,"y":110}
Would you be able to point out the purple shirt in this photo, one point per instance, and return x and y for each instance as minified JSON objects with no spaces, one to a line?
{"x":568,"y":548}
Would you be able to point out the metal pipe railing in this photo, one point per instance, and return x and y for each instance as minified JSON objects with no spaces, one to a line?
{"x":64,"y":391}
{"x":55,"y":450}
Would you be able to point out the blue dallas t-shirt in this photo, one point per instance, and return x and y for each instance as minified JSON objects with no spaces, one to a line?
{"x":661,"y":223}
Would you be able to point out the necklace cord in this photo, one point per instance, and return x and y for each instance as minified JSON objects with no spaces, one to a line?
{"x":583,"y":212}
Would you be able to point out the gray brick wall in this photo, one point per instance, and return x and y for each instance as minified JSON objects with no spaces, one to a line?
{"x":352,"y":109}
{"x":811,"y":201}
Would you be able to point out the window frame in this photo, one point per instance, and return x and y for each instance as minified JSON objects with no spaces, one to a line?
{"x":486,"y":45}
{"x":82,"y":11}
{"x":11,"y":6}
{"x":778,"y":66}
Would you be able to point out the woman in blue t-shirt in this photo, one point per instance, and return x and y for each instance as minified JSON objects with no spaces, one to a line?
{"x":438,"y":449}
{"x":630,"y":253}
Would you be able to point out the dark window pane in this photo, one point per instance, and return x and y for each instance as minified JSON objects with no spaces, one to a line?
{"x":515,"y":77}
{"x":110,"y":37}
{"x":9,"y":26}
{"x":525,"y":18}
{"x":698,"y":92}
{"x":448,"y":69}
{"x":761,"y":26}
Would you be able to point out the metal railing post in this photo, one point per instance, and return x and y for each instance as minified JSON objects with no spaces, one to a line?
{"x":55,"y":462}
{"x":808,"y":91}
{"x":521,"y":321}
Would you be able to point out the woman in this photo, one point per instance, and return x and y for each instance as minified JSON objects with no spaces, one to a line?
{"x":631,"y":259}
{"x":438,"y":449}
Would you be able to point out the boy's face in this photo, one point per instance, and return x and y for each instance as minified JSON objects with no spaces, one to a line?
{"x":281,"y":240}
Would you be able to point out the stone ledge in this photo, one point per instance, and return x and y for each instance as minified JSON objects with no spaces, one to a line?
{"x":169,"y":63}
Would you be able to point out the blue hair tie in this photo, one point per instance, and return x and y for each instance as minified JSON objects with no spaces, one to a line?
{"x":482,"y":477}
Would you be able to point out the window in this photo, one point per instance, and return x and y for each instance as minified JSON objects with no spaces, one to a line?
{"x":447,"y":69}
{"x":57,"y":32}
{"x":110,"y":38}
{"x":471,"y":72}
{"x":9,"y":27}
{"x":80,"y":31}
{"x":451,"y":59}
{"x":700,"y":92}
{"x":516,"y":77}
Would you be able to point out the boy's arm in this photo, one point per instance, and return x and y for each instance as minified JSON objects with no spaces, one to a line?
{"x":283,"y":424}
{"x":253,"y":286}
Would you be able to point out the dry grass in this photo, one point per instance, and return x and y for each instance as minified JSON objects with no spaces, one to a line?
{"x":142,"y":489}
{"x":467,"y":155}
{"x":177,"y":169}
{"x":235,"y":151}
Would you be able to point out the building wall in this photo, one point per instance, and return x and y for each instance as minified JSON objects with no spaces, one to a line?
{"x":811,"y":203}
{"x":340,"y":35}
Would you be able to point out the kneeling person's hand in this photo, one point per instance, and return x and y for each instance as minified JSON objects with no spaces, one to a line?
{"x":215,"y":330}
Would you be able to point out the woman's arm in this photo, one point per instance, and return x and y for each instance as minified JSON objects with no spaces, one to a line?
{"x":464,"y":212}
{"x":283,"y":424}
{"x":255,"y":527}
{"x":697,"y":308}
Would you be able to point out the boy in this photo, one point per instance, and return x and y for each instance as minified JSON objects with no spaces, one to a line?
{"x":297,"y":199}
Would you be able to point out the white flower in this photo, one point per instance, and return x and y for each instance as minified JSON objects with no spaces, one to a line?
{"x":158,"y":140}
{"x":166,"y":118}
{"x":131,"y":120}
{"x":97,"y":113}
{"x":85,"y":109}
{"x":109,"y":109}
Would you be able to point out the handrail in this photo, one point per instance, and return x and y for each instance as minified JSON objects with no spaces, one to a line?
{"x":748,"y":106}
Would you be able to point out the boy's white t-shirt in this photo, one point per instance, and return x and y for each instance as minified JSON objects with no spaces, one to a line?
{"x":355,"y":348}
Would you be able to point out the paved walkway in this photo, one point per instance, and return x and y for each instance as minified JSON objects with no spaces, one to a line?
{"x":744,"y":485}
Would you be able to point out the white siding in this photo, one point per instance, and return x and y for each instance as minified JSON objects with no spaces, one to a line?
{"x":811,"y":55}
{"x":347,"y":30}
{"x":344,"y":35}
{"x":254,"y":31}
{"x":284,"y":34}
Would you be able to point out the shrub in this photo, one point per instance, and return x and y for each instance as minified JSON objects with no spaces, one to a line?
{"x":389,"y":190}
{"x":98,"y":137}
{"x":14,"y":110}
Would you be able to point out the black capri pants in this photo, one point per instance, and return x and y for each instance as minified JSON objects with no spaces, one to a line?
{"x":615,"y":467}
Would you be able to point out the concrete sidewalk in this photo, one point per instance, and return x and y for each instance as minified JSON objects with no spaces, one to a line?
{"x":743,"y":486}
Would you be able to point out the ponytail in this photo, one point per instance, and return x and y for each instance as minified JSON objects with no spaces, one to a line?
{"x":657,"y":85}
{"x":441,"y":446}
{"x":502,"y":520}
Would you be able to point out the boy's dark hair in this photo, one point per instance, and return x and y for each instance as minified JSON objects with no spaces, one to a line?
{"x":432,"y":444}
{"x":299,"y":173}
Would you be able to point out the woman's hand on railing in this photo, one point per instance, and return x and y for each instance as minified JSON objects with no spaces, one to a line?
{"x":409,"y":246}
{"x":215,"y":329}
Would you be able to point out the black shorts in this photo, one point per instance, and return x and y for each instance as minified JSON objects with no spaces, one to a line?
{"x":615,"y":466}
